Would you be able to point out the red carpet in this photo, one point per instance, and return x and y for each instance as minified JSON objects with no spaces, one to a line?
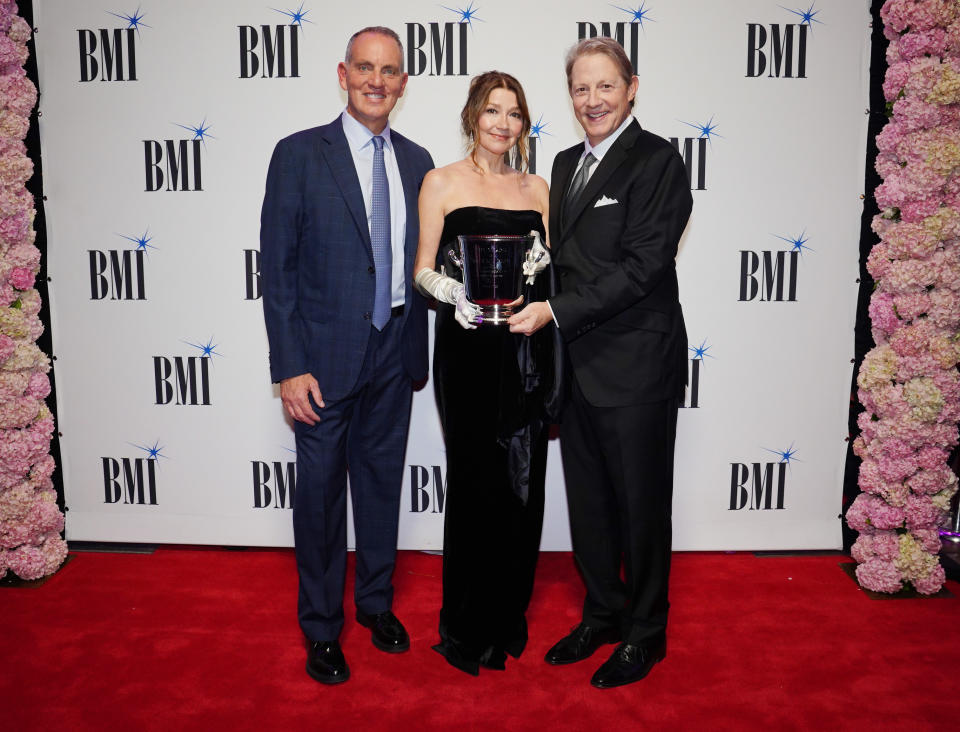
{"x":194,"y":639}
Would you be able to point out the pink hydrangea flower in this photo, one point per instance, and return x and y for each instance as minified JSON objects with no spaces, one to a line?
{"x":882,"y":314}
{"x":38,"y":386}
{"x":879,"y":575}
{"x":7,"y":347}
{"x":931,"y":584}
{"x":21,"y":278}
{"x":921,"y":512}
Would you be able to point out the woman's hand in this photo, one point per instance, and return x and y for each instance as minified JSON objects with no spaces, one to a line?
{"x":467,"y":313}
{"x":448,"y":290}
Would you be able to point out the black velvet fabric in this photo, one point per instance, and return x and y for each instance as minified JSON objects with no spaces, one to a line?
{"x":491,"y":388}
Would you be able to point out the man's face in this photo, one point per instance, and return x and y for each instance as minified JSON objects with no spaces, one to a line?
{"x":373,"y":80}
{"x":601,"y":98}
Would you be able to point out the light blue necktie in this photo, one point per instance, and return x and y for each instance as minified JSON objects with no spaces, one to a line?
{"x":380,"y":237}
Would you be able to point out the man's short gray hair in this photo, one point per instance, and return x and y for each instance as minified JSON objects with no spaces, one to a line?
{"x":381,"y":30}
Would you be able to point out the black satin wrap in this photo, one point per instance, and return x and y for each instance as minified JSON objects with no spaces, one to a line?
{"x":497,"y":392}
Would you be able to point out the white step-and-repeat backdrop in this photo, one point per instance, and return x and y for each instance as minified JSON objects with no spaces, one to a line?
{"x":158,"y":121}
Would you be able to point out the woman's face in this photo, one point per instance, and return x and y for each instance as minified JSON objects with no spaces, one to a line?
{"x":500,"y":122}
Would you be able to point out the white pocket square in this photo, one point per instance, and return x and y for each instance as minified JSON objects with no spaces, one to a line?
{"x":604,"y":201}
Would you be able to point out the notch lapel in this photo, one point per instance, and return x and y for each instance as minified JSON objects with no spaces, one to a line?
{"x":336,"y":151}
{"x":605,"y":168}
{"x":410,"y":194}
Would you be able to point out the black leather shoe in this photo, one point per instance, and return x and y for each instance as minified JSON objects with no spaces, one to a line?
{"x":326,"y":664}
{"x":629,"y":663}
{"x":580,"y":644}
{"x":387,"y":633}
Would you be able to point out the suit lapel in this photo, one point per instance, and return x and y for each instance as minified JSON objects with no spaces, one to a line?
{"x":410,"y":194}
{"x":336,"y":151}
{"x":606,"y":168}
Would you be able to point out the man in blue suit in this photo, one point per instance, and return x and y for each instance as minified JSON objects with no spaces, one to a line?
{"x":348,"y":338}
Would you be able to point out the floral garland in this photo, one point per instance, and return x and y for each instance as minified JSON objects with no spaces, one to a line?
{"x":909,"y":383}
{"x":30,"y":522}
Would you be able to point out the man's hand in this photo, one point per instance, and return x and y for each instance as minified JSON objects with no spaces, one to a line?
{"x":295,"y":393}
{"x":531,"y":319}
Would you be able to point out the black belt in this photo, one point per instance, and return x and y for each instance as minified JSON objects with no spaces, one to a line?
{"x":396,"y":312}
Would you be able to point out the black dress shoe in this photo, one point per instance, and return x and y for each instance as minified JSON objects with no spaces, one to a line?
{"x":326,"y":664}
{"x":387,"y":633}
{"x":629,"y":663}
{"x":580,"y":644}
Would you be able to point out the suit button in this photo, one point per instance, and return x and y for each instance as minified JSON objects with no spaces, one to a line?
{"x":371,"y":270}
{"x":563,"y":274}
{"x":366,"y":316}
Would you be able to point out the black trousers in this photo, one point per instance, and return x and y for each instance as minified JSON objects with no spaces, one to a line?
{"x":618,"y":468}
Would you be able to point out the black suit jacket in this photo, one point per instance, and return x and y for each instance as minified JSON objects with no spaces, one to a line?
{"x":317,"y":260}
{"x":619,"y":308}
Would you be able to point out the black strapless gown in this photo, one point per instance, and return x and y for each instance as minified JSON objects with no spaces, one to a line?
{"x":491,"y":388}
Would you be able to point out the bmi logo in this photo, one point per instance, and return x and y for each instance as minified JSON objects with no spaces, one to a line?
{"x":780,"y":49}
{"x":761,"y":486}
{"x":697,"y":355}
{"x":251,"y":274}
{"x":176,"y":165}
{"x":132,"y":481}
{"x":771,"y":276}
{"x":440,"y":48}
{"x":184,"y":380}
{"x":110,"y":54}
{"x":626,"y":33}
{"x":694,"y":152}
{"x":274,"y":483}
{"x":272,"y":51}
{"x":119,"y":274}
{"x":428,"y":487}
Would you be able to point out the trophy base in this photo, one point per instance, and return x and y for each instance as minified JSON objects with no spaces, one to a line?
{"x":495,"y":314}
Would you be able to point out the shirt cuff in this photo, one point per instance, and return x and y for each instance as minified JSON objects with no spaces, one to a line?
{"x":552,"y":314}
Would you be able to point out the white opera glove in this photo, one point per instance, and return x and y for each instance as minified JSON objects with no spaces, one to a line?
{"x":448,"y":290}
{"x":537,"y":259}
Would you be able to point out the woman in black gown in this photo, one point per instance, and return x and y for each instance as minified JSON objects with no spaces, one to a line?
{"x":493,"y":388}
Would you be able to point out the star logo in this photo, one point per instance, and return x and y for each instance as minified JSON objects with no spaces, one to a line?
{"x":797,"y":243}
{"x":786,"y":456}
{"x":207,"y":349}
{"x":467,"y":15}
{"x":153,"y":453}
{"x":297,"y":17}
{"x":133,"y":20}
{"x":539,"y":128}
{"x":706,"y":130}
{"x":639,"y":15}
{"x":142,"y":241}
{"x":700,"y":352}
{"x":807,"y":17}
{"x":200,"y":132}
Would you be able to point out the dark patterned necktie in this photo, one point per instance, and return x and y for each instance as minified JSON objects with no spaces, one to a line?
{"x":578,"y":184}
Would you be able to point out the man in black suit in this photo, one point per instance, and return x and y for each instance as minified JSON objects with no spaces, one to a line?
{"x":618,"y":207}
{"x":348,"y":337}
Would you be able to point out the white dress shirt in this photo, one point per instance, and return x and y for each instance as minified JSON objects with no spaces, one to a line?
{"x":360,"y":140}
